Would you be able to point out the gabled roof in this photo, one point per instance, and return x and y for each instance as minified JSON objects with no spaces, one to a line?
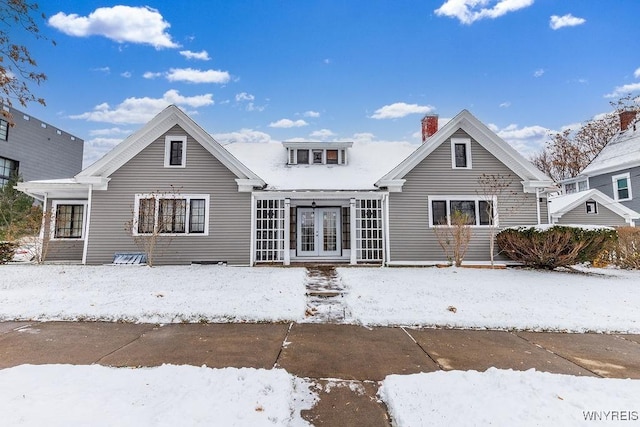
{"x":154,"y":129}
{"x":531,"y":176}
{"x":558,"y":206}
{"x":367,"y":161}
{"x":622,"y":152}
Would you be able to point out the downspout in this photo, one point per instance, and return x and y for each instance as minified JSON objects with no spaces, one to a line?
{"x":85,"y":249}
{"x":538,"y":205}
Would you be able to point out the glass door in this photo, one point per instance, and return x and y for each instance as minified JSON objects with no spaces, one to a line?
{"x":319,"y":232}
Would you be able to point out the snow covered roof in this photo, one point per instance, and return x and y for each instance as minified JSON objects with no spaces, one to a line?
{"x":368,"y":161}
{"x":622,"y":152}
{"x":560,"y":205}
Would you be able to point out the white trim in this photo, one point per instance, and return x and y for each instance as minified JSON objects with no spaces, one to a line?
{"x":448,"y":198}
{"x":614,"y":181}
{"x":319,"y":195}
{"x":161,"y":196}
{"x":287,"y":232}
{"x":353,"y":255}
{"x":54,"y":214}
{"x":252,"y":241}
{"x":467,"y":152}
{"x":85,"y":248}
{"x":167,"y":150}
{"x":385,"y":229}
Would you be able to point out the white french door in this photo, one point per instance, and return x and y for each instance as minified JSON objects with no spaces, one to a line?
{"x":318,"y":232}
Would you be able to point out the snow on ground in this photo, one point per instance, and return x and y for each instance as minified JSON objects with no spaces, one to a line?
{"x":509,"y":398}
{"x":494,"y":299}
{"x":449,"y":297}
{"x":63,"y":395}
{"x":155,"y":295}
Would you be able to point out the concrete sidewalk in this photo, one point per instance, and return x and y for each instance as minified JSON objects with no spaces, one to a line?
{"x":345,"y":361}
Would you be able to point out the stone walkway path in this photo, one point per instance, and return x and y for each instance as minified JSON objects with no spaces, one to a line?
{"x":324,"y":295}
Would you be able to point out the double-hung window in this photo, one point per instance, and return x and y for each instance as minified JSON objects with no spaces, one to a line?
{"x":622,"y":187}
{"x":175,"y":151}
{"x":171,"y":214}
{"x":8,"y":170}
{"x":4,"y":130}
{"x":461,"y":153}
{"x":473,"y":210}
{"x":68,"y":220}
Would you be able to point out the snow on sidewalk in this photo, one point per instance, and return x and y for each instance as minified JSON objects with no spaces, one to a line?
{"x":170,"y":294}
{"x":494,"y":299}
{"x":509,"y":398}
{"x":66,"y":395}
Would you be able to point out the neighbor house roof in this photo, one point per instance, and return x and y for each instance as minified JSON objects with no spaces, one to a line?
{"x":367,"y":162}
{"x":558,"y":206}
{"x":531,"y":176}
{"x":622,"y":152}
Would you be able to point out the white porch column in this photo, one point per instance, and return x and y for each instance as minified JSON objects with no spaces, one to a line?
{"x":252,"y":240}
{"x":538,"y":204}
{"x":352,"y":227}
{"x":287,"y":231}
{"x":85,"y":248}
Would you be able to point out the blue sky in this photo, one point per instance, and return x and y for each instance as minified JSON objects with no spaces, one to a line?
{"x":269,"y":70}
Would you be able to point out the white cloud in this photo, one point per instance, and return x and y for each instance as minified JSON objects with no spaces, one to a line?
{"x":142,"y":25}
{"x":322,"y":134}
{"x":363,"y":137}
{"x":556,"y":22}
{"x":636,"y":73}
{"x":151,"y":75}
{"x":286,"y":123}
{"x":623,"y":90}
{"x":469,"y":11}
{"x":126,"y":74}
{"x":400,"y":109}
{"x":244,"y":96}
{"x":243,"y":135}
{"x":538,"y":73}
{"x":109,"y":131}
{"x":203,"y":55}
{"x":311,"y":114}
{"x":141,"y":110}
{"x":105,"y":70}
{"x":96,"y":148}
{"x":197,"y":76}
{"x":528,"y":140}
{"x":505,"y":104}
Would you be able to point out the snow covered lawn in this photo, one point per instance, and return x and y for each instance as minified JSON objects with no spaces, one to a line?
{"x":155,"y":295}
{"x":63,"y":395}
{"x":509,"y":398}
{"x":494,"y":299}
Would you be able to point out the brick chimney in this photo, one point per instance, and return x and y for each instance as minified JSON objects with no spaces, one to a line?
{"x":429,"y":126}
{"x":626,"y":118}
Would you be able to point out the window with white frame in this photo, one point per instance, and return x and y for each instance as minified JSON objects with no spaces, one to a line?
{"x":4,"y":130}
{"x":477,"y":210}
{"x":461,"y":153}
{"x":68,"y":219}
{"x":622,"y":187}
{"x":175,"y":151}
{"x":576,"y":186}
{"x":591,"y":207}
{"x":182,"y":214}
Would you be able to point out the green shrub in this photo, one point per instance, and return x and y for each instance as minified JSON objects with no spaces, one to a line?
{"x":549,"y":247}
{"x":7,"y":249}
{"x":625,"y":253}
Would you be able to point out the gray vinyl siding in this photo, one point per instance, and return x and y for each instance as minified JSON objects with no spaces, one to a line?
{"x":410,"y":237}
{"x":42,"y":152}
{"x":544,"y":210}
{"x":579,"y":215}
{"x":60,"y":249}
{"x":605,"y":184}
{"x":229,"y":211}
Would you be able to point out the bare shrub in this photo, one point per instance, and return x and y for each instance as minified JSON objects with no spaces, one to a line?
{"x":625,"y":253}
{"x":454,"y":239}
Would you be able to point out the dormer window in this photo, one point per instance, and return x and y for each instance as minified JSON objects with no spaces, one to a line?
{"x":175,"y":151}
{"x":317,"y":153}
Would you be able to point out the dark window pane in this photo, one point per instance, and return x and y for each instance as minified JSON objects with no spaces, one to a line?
{"x":175,"y":158}
{"x":486,"y":212}
{"x":439,"y":212}
{"x":332,"y":157}
{"x":461,"y":155}
{"x":317,"y":156}
{"x":466,"y":208}
{"x":303,"y":157}
{"x":172,"y":215}
{"x":197,"y":216}
{"x":69,"y":221}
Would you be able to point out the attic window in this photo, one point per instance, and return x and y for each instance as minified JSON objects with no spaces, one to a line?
{"x":317,"y":153}
{"x":461,"y":153}
{"x":175,"y":151}
{"x":592,"y":207}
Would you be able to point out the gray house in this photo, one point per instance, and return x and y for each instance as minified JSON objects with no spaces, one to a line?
{"x":591,"y":207}
{"x":36,"y":150}
{"x":248,"y":204}
{"x":616,"y":169}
